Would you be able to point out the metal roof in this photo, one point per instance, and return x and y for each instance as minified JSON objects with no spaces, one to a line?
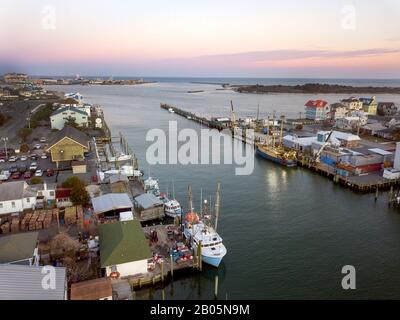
{"x":17,"y":247}
{"x":111,"y":201}
{"x":26,"y":283}
{"x":148,"y":200}
{"x":380,"y":151}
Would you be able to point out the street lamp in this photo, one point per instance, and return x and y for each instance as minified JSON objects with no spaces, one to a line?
{"x":5,"y":139}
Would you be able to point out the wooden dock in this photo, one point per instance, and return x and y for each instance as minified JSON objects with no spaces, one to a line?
{"x":210,"y":123}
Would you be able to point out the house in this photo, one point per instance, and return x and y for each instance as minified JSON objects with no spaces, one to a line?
{"x":46,"y":194}
{"x":338,"y":111}
{"x":29,"y":282}
{"x":349,"y":123}
{"x":112,"y":204}
{"x":68,"y":144}
{"x":317,"y":110}
{"x":63,"y":198}
{"x":97,"y":289}
{"x":15,"y":77}
{"x":124,"y":250}
{"x":66,"y":113}
{"x":373,"y":128}
{"x":149,"y":206}
{"x":386,"y":109}
{"x":370,"y":105}
{"x":16,"y":196}
{"x":352,"y":103}
{"x":20,"y":248}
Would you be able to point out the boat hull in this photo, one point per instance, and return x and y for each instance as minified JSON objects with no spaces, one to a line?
{"x":284,"y":162}
{"x":213,"y":261}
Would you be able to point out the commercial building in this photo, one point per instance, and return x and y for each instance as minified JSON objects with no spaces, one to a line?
{"x":316,"y":110}
{"x":64,"y":114}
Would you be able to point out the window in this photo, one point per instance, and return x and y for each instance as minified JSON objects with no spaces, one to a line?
{"x":51,"y":193}
{"x":28,"y":200}
{"x":1,"y":205}
{"x":13,"y":204}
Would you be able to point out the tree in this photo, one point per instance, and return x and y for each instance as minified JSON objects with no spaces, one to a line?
{"x":79,"y":195}
{"x":3,"y":119}
{"x":36,"y":180}
{"x":24,"y":148}
{"x":24,"y":133}
{"x":71,"y":122}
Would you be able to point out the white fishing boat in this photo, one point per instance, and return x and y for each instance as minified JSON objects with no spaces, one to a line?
{"x":201,"y":235}
{"x":120,"y":157}
{"x":151,"y":186}
{"x":170,"y":110}
{"x":172,"y":207}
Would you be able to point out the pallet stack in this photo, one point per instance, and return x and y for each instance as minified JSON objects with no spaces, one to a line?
{"x":70,"y":215}
{"x":5,"y":228}
{"x":40,"y":219}
{"x":32,"y":221}
{"x":15,"y":225}
{"x":25,"y":222}
{"x":47,"y":219}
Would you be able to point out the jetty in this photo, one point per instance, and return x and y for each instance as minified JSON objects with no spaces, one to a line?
{"x":213,"y":123}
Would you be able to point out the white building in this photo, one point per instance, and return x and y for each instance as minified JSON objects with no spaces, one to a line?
{"x":124,"y":250}
{"x":348,"y":123}
{"x":63,"y":114}
{"x":16,"y":196}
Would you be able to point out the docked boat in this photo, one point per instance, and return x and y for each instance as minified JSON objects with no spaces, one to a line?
{"x":151,"y":186}
{"x":172,"y":207}
{"x":203,"y":236}
{"x":120,"y":157}
{"x":170,"y":110}
{"x":277,"y":154}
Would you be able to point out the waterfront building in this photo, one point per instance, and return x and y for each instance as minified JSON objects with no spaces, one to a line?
{"x":66,"y":113}
{"x":68,"y":144}
{"x":124,"y":250}
{"x":317,"y":110}
{"x":351,"y":122}
{"x":302,"y":144}
{"x":15,"y":78}
{"x":370,"y":105}
{"x":20,"y":249}
{"x":386,"y":109}
{"x":15,"y":197}
{"x":20,"y":282}
{"x":352,"y":103}
{"x":338,"y":138}
{"x":338,"y":111}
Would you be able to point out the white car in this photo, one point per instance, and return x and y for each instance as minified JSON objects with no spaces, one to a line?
{"x":37,"y":146}
{"x":3,"y":160}
{"x":43,"y":156}
{"x":38,"y":173}
{"x":33,"y":166}
{"x":13,"y":159}
{"x":23,"y":158}
{"x":43,"y":139}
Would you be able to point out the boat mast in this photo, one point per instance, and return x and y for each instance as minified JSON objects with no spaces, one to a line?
{"x":173,"y":189}
{"x":190,"y":198}
{"x":217,"y":201}
{"x":201,"y":202}
{"x":281,"y":134}
{"x":233,"y":116}
{"x":273,"y":129}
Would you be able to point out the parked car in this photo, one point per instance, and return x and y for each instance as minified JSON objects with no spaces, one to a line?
{"x":37,"y":146}
{"x":49,"y":172}
{"x":38,"y":173}
{"x":13,"y":170}
{"x":13,"y":159}
{"x":33,"y":166}
{"x":23,"y":158}
{"x":3,"y":159}
{"x":22,"y":169}
{"x":16,"y":175}
{"x":43,"y":156}
{"x":5,"y":175}
{"x":42,"y":139}
{"x":34,"y":156}
{"x":27,"y":175}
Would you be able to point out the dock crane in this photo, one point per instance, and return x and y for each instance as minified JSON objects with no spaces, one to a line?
{"x":318,"y":154}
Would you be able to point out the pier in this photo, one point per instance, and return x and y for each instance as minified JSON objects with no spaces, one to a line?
{"x":212,"y":123}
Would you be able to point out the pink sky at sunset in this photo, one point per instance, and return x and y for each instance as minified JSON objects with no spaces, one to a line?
{"x":257,"y":38}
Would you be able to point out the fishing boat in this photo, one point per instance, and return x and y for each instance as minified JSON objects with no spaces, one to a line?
{"x":203,"y":236}
{"x":170,"y":110}
{"x":151,"y":186}
{"x":277,"y":153}
{"x":120,"y":157}
{"x":172,"y":207}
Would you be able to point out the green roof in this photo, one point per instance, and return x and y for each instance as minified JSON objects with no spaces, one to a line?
{"x":17,"y":247}
{"x":122,"y":242}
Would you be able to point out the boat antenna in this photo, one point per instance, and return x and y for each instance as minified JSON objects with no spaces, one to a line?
{"x":233,"y":116}
{"x":273,"y":129}
{"x":217,"y":203}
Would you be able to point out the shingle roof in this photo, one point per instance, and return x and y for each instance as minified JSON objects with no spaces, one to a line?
{"x":316,"y":103}
{"x":16,"y":247}
{"x":68,"y":108}
{"x":122,"y":242}
{"x":15,"y":190}
{"x":91,"y":290}
{"x":71,"y":133}
{"x":25,"y":283}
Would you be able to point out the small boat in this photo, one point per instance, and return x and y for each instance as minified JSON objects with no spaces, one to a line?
{"x":170,"y":110}
{"x":189,"y":117}
{"x":172,"y":208}
{"x":151,"y":186}
{"x":120,"y":157}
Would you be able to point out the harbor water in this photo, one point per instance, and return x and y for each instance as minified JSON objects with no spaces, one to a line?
{"x":288,"y":232}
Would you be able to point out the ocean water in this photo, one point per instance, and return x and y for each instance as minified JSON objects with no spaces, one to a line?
{"x":288,"y":232}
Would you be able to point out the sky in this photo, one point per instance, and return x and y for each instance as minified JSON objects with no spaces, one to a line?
{"x":182,"y":38}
